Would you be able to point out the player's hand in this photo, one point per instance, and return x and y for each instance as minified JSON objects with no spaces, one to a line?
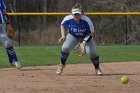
{"x":61,"y":39}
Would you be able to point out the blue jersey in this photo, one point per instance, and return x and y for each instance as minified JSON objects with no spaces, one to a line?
{"x":2,"y":6}
{"x":78,"y":30}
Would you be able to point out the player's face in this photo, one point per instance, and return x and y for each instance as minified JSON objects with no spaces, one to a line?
{"x":77,"y":17}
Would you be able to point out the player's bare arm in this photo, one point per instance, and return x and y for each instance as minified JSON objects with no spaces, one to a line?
{"x":63,"y":36}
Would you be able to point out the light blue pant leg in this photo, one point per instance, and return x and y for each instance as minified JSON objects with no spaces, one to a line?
{"x":91,"y":48}
{"x":91,"y":51}
{"x":7,"y":43}
{"x":3,"y":36}
{"x":68,"y":44}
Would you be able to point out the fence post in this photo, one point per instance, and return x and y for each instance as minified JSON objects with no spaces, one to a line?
{"x":19,"y":21}
{"x":126,"y":30}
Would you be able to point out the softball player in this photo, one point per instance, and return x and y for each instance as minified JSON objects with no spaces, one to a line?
{"x":4,"y":23}
{"x":80,"y":29}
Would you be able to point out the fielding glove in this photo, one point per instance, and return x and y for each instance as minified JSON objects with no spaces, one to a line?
{"x":9,"y":31}
{"x":83,"y":47}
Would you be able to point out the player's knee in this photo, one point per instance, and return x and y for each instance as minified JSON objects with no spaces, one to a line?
{"x":7,"y":44}
{"x":93,"y":55}
{"x":5,"y":41}
{"x":64,"y":55}
{"x":65,"y":50}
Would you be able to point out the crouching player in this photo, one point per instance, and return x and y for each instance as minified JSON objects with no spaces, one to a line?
{"x":80,"y":29}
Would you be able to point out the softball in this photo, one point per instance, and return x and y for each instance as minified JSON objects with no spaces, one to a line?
{"x":124,"y":79}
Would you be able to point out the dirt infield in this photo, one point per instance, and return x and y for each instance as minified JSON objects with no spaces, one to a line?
{"x":77,"y":78}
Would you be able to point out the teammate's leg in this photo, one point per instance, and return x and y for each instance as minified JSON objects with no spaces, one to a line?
{"x":9,"y":47}
{"x":68,"y":44}
{"x":91,"y":50}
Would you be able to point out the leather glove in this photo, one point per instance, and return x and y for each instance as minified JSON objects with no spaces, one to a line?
{"x":83,"y":47}
{"x":9,"y":31}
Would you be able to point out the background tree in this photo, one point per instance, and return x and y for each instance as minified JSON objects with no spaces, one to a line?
{"x":45,"y":29}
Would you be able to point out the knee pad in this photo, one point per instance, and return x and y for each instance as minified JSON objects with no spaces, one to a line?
{"x":64,"y":55}
{"x":11,"y":54}
{"x":65,"y":50}
{"x":93,"y":55}
{"x":95,"y":59}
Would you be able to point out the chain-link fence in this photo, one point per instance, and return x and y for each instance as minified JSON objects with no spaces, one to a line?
{"x":45,"y":30}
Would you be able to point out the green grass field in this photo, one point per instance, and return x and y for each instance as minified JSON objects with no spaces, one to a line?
{"x":49,"y":55}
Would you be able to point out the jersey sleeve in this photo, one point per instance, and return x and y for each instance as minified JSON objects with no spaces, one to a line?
{"x":65,"y":22}
{"x":91,"y":26}
{"x":2,"y":4}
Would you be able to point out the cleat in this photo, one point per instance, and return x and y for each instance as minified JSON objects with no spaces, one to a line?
{"x":16,"y":64}
{"x":98,"y":71}
{"x":60,"y":69}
